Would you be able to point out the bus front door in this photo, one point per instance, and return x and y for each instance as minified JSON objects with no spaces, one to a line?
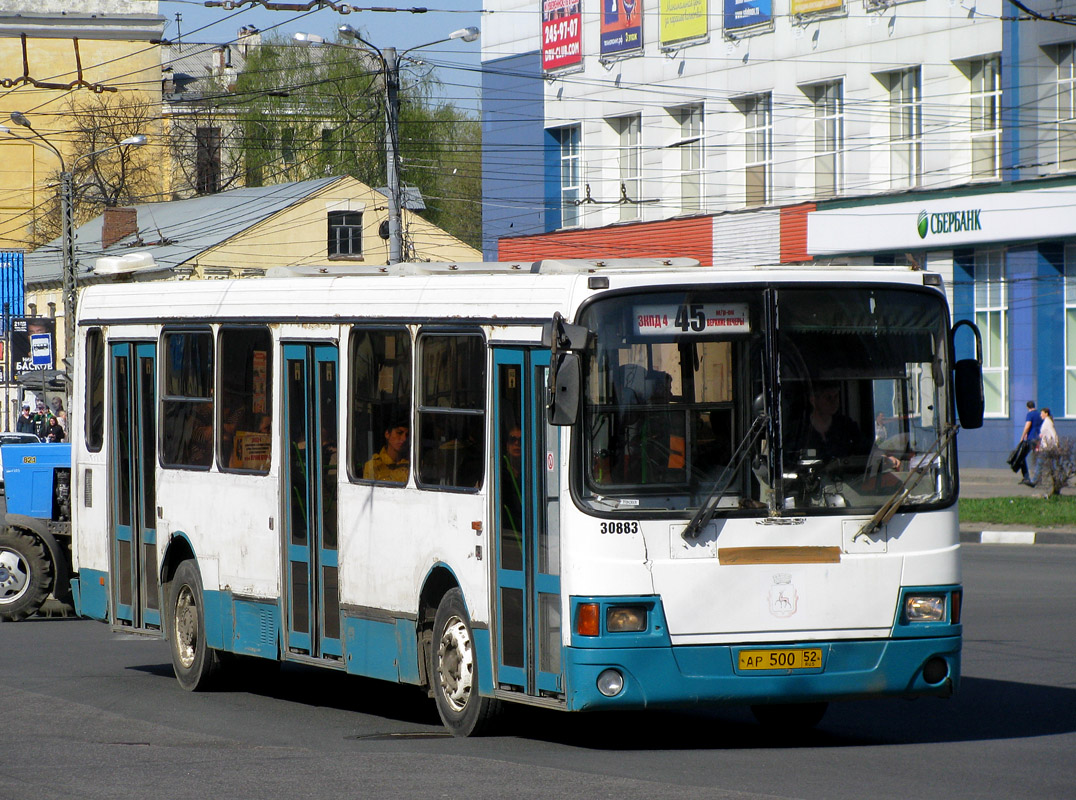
{"x":312,"y":602}
{"x":132,"y":490}
{"x":526,"y":485}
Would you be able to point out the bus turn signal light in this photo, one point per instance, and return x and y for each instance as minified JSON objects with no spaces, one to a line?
{"x":588,"y":620}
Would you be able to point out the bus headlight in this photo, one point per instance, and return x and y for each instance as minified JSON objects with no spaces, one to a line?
{"x":625,"y":619}
{"x":610,"y":683}
{"x":924,"y":608}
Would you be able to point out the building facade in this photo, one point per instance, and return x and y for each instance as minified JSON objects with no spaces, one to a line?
{"x":786,"y":131}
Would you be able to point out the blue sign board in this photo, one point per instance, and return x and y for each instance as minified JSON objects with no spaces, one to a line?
{"x":744,"y":13}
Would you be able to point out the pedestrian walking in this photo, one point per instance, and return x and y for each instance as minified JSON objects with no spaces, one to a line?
{"x":1029,"y":439}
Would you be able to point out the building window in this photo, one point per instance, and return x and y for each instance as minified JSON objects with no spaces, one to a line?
{"x":345,"y":234}
{"x":1070,"y":330}
{"x":570,"y":175}
{"x":828,"y":102}
{"x":207,"y":160}
{"x":689,"y":118}
{"x":985,"y":77}
{"x":905,"y":128}
{"x":1066,"y":107}
{"x":991,"y":315}
{"x":758,"y":138}
{"x":629,"y":163}
{"x":287,"y":146}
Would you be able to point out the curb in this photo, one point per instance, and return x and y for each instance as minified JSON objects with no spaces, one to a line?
{"x":1016,"y":537}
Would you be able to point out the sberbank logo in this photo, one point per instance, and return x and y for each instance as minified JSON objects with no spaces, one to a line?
{"x":949,"y":222}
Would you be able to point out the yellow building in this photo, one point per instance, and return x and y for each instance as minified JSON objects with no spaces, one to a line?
{"x":57,"y":63}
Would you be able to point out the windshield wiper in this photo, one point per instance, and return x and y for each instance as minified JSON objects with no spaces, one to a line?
{"x":709,"y":505}
{"x":890,"y":506}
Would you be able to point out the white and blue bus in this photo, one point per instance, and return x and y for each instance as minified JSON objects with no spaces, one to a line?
{"x":577,"y":485}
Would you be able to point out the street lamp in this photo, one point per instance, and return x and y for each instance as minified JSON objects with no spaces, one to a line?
{"x":390,"y":67}
{"x":67,"y":210}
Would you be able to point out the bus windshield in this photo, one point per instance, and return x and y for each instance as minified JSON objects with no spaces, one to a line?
{"x":846,"y":385}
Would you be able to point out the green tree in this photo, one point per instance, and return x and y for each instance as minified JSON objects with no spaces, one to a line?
{"x":308,"y":112}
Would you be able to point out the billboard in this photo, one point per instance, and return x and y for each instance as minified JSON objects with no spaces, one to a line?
{"x":32,"y":344}
{"x":621,"y":27}
{"x":562,"y":35}
{"x":809,"y":6}
{"x":683,"y":20}
{"x":744,"y":13}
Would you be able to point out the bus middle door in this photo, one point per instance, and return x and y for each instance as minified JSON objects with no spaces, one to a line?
{"x":132,"y":475}
{"x":526,"y":514}
{"x":312,"y":561}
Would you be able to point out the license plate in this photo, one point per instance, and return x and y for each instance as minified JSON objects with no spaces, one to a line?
{"x":806,"y":658}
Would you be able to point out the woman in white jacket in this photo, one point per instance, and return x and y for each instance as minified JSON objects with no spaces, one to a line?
{"x":1047,"y":441}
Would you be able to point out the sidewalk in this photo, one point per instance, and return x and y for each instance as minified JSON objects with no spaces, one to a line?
{"x":1006,"y":483}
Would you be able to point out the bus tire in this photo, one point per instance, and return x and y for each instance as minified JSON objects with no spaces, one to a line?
{"x":25,"y":575}
{"x":454,"y":671}
{"x":196,"y":665}
{"x":789,"y":717}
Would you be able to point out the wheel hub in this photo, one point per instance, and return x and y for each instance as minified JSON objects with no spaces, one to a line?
{"x":14,"y":577}
{"x":456,"y":664}
{"x":186,"y":627}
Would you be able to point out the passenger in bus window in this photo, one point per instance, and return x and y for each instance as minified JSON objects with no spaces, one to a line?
{"x":392,"y":463}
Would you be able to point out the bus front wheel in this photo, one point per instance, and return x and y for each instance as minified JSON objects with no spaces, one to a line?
{"x":454,"y":671}
{"x":195,"y":664}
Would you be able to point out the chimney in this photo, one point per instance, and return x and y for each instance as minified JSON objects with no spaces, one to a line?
{"x":118,"y":223}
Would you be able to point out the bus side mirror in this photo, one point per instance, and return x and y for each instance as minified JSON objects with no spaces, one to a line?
{"x":564,"y":383}
{"x":968,"y":382}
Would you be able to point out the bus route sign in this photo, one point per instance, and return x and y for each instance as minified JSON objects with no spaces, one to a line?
{"x":692,"y":319}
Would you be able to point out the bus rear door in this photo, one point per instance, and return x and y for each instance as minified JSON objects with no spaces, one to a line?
{"x":526,"y":481}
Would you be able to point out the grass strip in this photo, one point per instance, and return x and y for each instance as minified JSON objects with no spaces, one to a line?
{"x":1031,"y":512}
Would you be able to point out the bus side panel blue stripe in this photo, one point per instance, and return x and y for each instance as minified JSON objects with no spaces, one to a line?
{"x":407,"y":649}
{"x":257,"y":628}
{"x":91,"y":594}
{"x":218,"y":619}
{"x":483,"y":651}
{"x":371,"y":649}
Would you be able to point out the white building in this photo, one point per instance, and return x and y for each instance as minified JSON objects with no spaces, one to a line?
{"x":782,"y":131}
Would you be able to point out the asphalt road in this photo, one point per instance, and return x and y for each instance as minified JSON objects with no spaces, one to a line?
{"x":92,"y":714}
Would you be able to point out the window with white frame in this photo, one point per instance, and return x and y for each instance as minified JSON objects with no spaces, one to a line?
{"x":985,"y":76}
{"x":629,"y":163}
{"x":828,"y":102}
{"x":1070,"y":330}
{"x":991,"y":316}
{"x":905,"y":128}
{"x":758,"y":141}
{"x":689,"y":120}
{"x":1066,"y":107}
{"x":570,"y":175}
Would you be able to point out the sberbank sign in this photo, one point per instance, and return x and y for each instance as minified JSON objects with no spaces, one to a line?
{"x":949,"y":222}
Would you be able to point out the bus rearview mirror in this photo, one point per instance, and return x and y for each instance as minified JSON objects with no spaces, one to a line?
{"x":564,"y":389}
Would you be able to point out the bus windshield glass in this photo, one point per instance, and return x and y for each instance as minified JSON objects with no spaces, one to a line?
{"x":786,"y":400}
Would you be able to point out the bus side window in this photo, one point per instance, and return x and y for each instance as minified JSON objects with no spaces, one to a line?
{"x":452,"y":410}
{"x":380,"y":414}
{"x":243,"y":440}
{"x":187,"y":404}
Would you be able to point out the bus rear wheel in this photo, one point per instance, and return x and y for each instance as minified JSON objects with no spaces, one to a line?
{"x":195,"y":664}
{"x":25,"y":575}
{"x":454,"y":671}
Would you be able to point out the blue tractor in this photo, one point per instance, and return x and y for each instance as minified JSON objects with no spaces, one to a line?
{"x":35,"y":540}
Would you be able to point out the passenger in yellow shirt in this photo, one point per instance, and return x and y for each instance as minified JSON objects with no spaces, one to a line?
{"x":392,"y":463}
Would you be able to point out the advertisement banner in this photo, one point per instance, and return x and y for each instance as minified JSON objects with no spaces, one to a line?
{"x":682,"y":20}
{"x":744,"y":13}
{"x":621,"y":27}
{"x":809,"y":6}
{"x":32,"y":344}
{"x":562,"y":41}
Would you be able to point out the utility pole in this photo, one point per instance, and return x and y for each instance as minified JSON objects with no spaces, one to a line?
{"x":392,"y":174}
{"x":70,"y":289}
